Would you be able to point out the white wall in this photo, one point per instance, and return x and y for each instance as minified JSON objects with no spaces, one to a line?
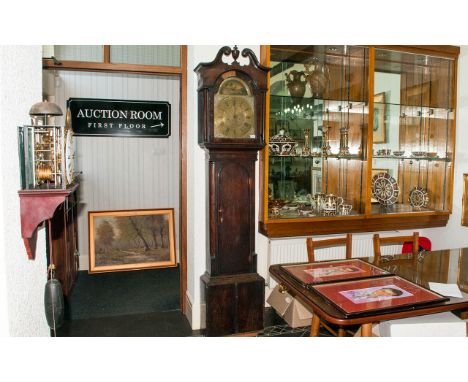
{"x":455,"y":235}
{"x":21,"y":280}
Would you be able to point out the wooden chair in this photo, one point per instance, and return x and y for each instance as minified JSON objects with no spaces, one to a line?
{"x":316,"y":244}
{"x":390,"y":260}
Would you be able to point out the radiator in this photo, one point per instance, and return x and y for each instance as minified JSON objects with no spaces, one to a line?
{"x":283,"y":251}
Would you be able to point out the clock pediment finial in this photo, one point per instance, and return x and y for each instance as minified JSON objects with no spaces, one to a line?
{"x":235,"y":54}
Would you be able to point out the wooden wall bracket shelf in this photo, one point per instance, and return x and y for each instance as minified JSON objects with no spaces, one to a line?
{"x":37,"y":206}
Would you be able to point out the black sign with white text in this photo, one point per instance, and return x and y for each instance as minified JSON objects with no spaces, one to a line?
{"x":106,"y":117}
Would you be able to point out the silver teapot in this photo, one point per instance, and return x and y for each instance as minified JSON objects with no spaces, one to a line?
{"x":317,"y":201}
{"x":331,"y":202}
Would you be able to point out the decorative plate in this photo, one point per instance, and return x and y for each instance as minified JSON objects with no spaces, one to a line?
{"x":385,"y":189}
{"x":281,"y":144}
{"x":418,"y":197}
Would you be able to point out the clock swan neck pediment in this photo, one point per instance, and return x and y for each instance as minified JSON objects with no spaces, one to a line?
{"x":209,"y":72}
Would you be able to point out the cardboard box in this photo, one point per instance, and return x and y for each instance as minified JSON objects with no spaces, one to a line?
{"x":444,"y":324}
{"x":290,"y":309}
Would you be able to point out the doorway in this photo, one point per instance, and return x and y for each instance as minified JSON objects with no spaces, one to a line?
{"x":127,"y":173}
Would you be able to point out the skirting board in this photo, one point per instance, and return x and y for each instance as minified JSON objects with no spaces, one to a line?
{"x":84,"y":262}
{"x":195,"y":313}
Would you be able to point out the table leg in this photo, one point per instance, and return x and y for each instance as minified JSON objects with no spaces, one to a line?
{"x":315,"y":326}
{"x":366,"y":330}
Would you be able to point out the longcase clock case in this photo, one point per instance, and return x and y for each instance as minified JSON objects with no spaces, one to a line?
{"x":233,"y":291}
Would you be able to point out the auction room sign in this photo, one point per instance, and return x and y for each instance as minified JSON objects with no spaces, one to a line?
{"x":106,"y":117}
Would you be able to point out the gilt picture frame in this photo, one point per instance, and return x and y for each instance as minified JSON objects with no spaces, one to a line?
{"x":131,"y":240}
{"x":380,"y":130}
{"x":316,"y":180}
{"x":464,"y":217}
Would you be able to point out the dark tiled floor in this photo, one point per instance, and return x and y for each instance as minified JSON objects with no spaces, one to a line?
{"x":142,"y":304}
{"x":275,"y":326}
{"x":166,"y":324}
{"x":124,"y":293}
{"x":159,"y":324}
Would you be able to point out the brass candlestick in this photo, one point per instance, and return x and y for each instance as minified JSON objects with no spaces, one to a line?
{"x":344,"y":148}
{"x":326,"y":149}
{"x":306,"y":148}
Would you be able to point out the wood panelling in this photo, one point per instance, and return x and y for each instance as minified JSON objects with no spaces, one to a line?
{"x":123,"y":173}
{"x":345,"y":177}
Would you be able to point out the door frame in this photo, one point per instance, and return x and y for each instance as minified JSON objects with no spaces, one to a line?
{"x":178,"y":71}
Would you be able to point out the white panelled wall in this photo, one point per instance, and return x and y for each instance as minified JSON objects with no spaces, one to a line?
{"x":22,"y":281}
{"x":122,"y":173}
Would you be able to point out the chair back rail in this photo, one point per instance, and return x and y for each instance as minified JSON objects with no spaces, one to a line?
{"x":379,"y":241}
{"x":316,"y":244}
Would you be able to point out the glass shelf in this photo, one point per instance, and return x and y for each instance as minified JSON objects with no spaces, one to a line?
{"x":333,"y":156}
{"x":435,"y":159}
{"x":399,"y":208}
{"x":335,"y":104}
{"x":403,"y":110}
{"x":294,"y":214}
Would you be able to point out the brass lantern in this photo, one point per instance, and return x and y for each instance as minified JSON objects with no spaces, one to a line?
{"x":46,"y":150}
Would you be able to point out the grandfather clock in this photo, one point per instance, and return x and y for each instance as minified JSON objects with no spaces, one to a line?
{"x":231,"y":112}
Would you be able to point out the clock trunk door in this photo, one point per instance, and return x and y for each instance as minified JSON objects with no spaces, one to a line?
{"x":233,"y":217}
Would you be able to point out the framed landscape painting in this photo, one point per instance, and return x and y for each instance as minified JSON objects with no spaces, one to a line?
{"x":130,"y":240}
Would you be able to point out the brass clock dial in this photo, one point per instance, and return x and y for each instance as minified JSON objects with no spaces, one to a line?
{"x":234,"y":117}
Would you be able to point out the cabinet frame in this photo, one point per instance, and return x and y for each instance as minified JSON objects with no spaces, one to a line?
{"x":365,"y":222}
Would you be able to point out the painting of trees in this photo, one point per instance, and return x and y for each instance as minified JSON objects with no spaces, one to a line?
{"x":143,"y":237}
{"x":105,"y":236}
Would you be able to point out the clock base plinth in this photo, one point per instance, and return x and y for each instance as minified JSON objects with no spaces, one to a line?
{"x":234,"y":303}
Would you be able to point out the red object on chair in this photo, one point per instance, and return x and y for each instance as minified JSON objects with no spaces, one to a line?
{"x":424,"y":245}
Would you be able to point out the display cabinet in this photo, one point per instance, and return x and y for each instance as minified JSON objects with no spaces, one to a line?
{"x":340,"y":160}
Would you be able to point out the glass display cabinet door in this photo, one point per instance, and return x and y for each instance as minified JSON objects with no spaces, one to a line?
{"x":317,"y":132}
{"x":413,"y":131}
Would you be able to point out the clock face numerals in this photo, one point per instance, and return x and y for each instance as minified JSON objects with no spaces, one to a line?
{"x":234,"y":117}
{"x":69,"y":157}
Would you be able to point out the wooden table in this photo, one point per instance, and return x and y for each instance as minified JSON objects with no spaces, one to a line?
{"x":447,"y":266}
